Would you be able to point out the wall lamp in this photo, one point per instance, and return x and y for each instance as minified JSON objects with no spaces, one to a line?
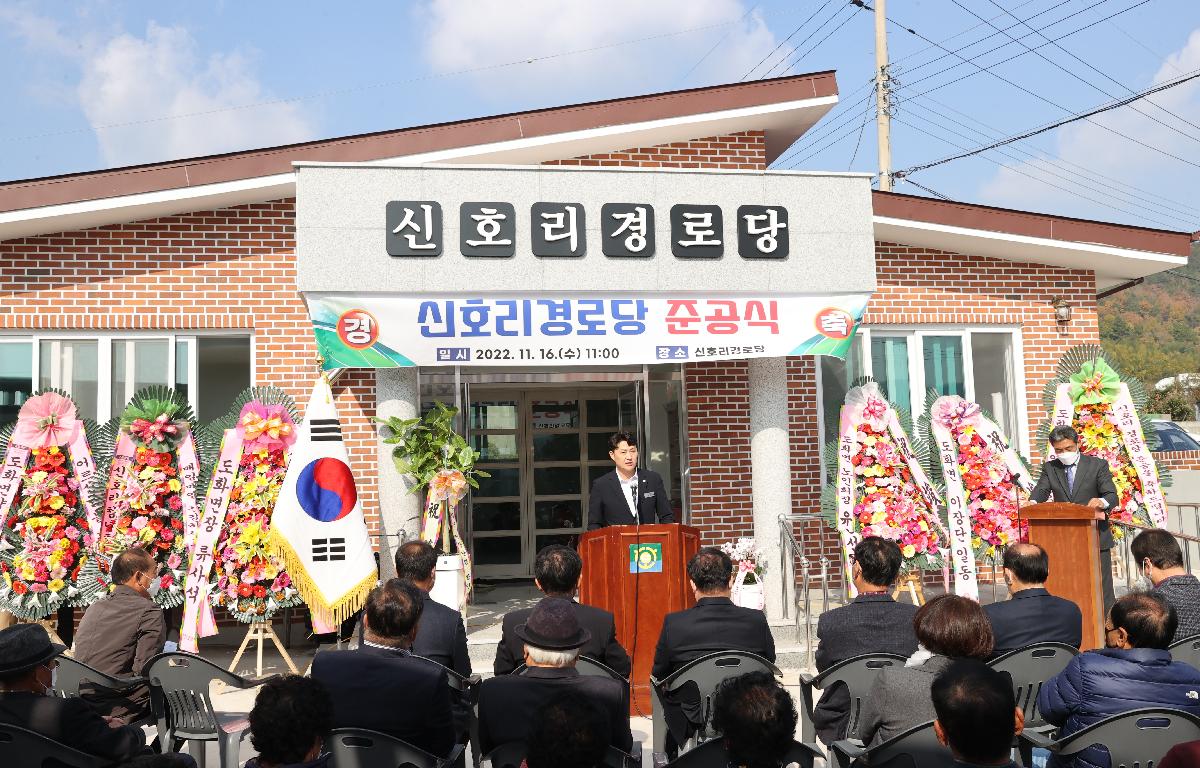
{"x":1062,"y":310}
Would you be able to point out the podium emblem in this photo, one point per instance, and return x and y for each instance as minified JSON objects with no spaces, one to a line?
{"x":645,"y":558}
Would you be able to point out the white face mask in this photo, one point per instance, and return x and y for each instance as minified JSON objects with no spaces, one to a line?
{"x":153,"y":587}
{"x":1143,"y":583}
{"x":1068,"y":457}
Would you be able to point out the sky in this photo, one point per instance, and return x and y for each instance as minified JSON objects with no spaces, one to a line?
{"x":101,"y":83}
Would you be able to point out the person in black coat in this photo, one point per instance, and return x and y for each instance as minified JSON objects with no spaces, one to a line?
{"x":1031,"y":614}
{"x":552,"y":638}
{"x":872,"y":623}
{"x":1077,"y":479}
{"x":615,"y":496}
{"x":556,"y":574}
{"x":27,"y":662}
{"x":441,"y":635}
{"x":381,"y":686}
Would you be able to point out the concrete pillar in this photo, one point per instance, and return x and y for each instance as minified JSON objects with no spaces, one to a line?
{"x":397,"y":394}
{"x":770,"y":469}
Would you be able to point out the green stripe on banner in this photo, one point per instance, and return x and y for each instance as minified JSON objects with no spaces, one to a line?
{"x":823,"y":345}
{"x":338,"y":355}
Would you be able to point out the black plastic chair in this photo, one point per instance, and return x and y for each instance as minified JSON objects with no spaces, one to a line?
{"x":1186,"y":650}
{"x":27,"y":749}
{"x":183,"y":709}
{"x":589,"y":667}
{"x":1030,"y":667}
{"x":361,"y":748}
{"x":712,"y":754}
{"x":917,"y":747}
{"x":72,"y":673}
{"x":511,"y":754}
{"x":1134,"y":739}
{"x":857,"y":674}
{"x":707,"y":672}
{"x":467,"y":691}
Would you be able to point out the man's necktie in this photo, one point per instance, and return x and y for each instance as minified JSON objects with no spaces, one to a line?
{"x":1071,"y":479}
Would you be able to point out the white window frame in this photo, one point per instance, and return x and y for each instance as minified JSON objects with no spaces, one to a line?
{"x":916,"y":372}
{"x":104,"y":341}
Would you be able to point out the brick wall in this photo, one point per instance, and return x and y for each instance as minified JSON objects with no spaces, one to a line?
{"x":746,"y":150}
{"x":1186,"y":460}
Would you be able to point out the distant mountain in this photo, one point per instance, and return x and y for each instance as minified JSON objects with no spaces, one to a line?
{"x":1153,"y":330}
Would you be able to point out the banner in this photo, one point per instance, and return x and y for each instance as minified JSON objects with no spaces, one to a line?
{"x":394,"y":331}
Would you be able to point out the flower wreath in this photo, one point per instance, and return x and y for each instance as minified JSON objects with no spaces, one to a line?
{"x":48,"y":537}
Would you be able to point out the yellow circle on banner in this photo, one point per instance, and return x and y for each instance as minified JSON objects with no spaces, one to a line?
{"x":647,"y":557}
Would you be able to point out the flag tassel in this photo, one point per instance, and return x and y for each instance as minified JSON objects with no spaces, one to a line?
{"x":338,"y":611}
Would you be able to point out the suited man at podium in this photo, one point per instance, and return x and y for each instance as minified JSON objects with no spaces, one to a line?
{"x":1078,"y":479}
{"x":628,"y":495}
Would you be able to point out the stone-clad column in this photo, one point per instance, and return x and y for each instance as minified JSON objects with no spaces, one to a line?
{"x":397,"y":394}
{"x":770,"y":463}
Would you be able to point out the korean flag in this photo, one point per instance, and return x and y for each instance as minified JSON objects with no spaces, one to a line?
{"x":318,"y":527}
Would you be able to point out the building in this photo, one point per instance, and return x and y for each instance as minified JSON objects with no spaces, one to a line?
{"x":187,"y":273}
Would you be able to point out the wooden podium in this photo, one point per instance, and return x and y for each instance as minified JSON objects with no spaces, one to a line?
{"x":639,"y":573}
{"x":1068,"y":534}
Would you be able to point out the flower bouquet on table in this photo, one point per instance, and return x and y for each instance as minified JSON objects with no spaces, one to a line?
{"x":748,"y":569}
{"x":49,"y":534}
{"x":879,"y":487}
{"x":149,"y":499}
{"x":985,"y":482}
{"x":1105,"y":408}
{"x":252,"y":444}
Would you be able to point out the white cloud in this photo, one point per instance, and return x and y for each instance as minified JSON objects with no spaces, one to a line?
{"x":466,"y":34}
{"x":156,"y":97}
{"x":1083,"y":143}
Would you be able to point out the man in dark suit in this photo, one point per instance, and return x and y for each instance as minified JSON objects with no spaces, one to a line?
{"x":1031,"y":614}
{"x":27,"y":663}
{"x":872,"y":623}
{"x":714,"y":623}
{"x":556,"y":573}
{"x":628,"y":495}
{"x":1078,"y":479}
{"x":441,"y":635}
{"x":381,"y":686}
{"x":552,"y":638}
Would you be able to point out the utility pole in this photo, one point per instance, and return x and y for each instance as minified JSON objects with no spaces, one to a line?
{"x":883,"y":118}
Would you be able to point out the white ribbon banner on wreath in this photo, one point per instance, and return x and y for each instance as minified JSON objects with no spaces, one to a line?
{"x":11,"y":472}
{"x":198,"y":618}
{"x":118,"y":477}
{"x":966,"y":582}
{"x":84,"y":467}
{"x":189,"y":475}
{"x":1126,"y":420}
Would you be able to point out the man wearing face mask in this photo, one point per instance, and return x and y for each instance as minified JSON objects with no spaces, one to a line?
{"x":122,"y":632}
{"x":1164,"y":574}
{"x":28,"y":661}
{"x":1077,"y":479}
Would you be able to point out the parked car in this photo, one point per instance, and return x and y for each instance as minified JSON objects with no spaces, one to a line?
{"x":1172,"y":437}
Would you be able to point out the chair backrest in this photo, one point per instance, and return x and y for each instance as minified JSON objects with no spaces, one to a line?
{"x":712,"y":754}
{"x":915,"y":748}
{"x":511,"y":755}
{"x":708,"y":672}
{"x":1029,"y":668}
{"x":360,"y":748}
{"x":1187,"y":650}
{"x":1137,"y":738}
{"x":71,"y":674}
{"x":25,"y":748}
{"x":858,"y":675}
{"x":182,"y":681}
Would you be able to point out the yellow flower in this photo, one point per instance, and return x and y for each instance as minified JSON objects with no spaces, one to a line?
{"x":28,"y":573}
{"x":924,"y":526}
{"x":55,"y":585}
{"x":878,"y":517}
{"x":146,"y":473}
{"x":174,"y":484}
{"x":38,"y":476}
{"x":56,"y":502}
{"x":908,"y":551}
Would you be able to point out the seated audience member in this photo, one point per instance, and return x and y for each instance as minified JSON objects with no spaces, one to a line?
{"x":567,"y":732}
{"x":27,"y":663}
{"x":1031,"y":614}
{"x":552,"y":638}
{"x":441,"y":636}
{"x":948,"y":628}
{"x":714,"y":623}
{"x":291,"y":719}
{"x":977,"y":714}
{"x":1161,"y":561}
{"x":556,"y":573}
{"x":121,"y":633}
{"x":1185,"y":755}
{"x":1133,"y":670}
{"x":380,"y":686}
{"x":872,"y":623}
{"x":756,"y":718}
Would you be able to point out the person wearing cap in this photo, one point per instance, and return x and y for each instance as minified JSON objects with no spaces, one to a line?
{"x":381,"y":685}
{"x":552,"y":637}
{"x":28,"y":660}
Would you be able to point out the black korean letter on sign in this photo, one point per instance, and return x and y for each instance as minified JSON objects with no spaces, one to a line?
{"x":414,"y":228}
{"x":697,"y":232}
{"x":762,"y":231}
{"x":627,"y":230}
{"x":557,"y":229}
{"x":487,"y":229}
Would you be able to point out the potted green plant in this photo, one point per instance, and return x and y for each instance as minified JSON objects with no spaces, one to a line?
{"x":440,"y":462}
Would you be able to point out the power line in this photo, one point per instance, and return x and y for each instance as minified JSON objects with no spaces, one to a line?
{"x":1074,"y":118}
{"x":793,"y":62}
{"x":782,"y":42}
{"x":867,"y":117}
{"x":716,"y":45}
{"x":933,"y":192}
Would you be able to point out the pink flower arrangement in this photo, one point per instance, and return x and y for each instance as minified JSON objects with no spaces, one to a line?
{"x":993,"y":498}
{"x":148,"y":508}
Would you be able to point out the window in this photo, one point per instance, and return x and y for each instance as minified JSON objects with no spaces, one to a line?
{"x":103,"y":372}
{"x":980,"y":365}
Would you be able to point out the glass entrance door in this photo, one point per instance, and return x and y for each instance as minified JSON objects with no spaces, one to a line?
{"x":543,"y":448}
